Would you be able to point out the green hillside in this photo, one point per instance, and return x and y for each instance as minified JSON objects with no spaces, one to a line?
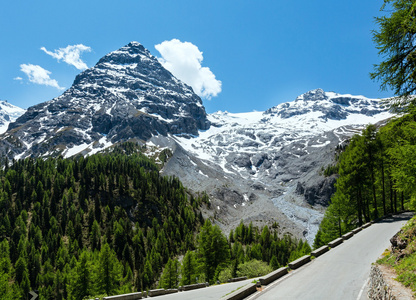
{"x":377,"y":176}
{"x":402,"y":256}
{"x":110,"y":223}
{"x":63,"y":222}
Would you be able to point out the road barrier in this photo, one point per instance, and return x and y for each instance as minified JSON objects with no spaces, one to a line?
{"x":265,"y":280}
{"x":300,"y":262}
{"x":132,"y":296}
{"x":242,"y":293}
{"x":347,"y":235}
{"x":319,"y":251}
{"x":194,"y":286}
{"x":237,"y":279}
{"x":158,"y":292}
{"x":366,"y":225}
{"x":335,"y":242}
{"x":356,"y":230}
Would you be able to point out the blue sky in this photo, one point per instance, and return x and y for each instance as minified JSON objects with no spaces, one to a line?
{"x":263,"y":52}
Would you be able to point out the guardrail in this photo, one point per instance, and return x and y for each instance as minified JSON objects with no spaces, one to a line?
{"x":320,"y":251}
{"x":171,"y":291}
{"x":273,"y":276}
{"x":237,"y":279}
{"x":299,"y":262}
{"x":335,"y":242}
{"x":347,"y":235}
{"x":131,"y":296}
{"x":194,"y":286}
{"x":242,"y":293}
{"x":265,"y":280}
{"x":356,"y":230}
{"x":366,"y":225}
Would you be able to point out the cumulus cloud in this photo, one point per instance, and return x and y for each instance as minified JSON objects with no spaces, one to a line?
{"x":18,"y":78}
{"x":71,"y":55}
{"x":183,"y":59}
{"x":39,"y":75}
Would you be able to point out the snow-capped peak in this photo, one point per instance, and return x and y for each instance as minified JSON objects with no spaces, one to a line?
{"x":8,"y":113}
{"x":311,"y":114}
{"x":134,"y":44}
{"x":313,"y":95}
{"x":128,"y":94}
{"x":327,"y":106}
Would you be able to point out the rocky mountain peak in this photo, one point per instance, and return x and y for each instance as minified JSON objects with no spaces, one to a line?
{"x":132,"y":66}
{"x":326,"y":106}
{"x":127,"y":54}
{"x":313,"y":95}
{"x":128,"y":94}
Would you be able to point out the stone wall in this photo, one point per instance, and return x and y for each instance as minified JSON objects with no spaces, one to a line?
{"x":378,"y":289}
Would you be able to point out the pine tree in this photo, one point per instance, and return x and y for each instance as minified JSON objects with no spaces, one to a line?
{"x":213,"y":249}
{"x":395,"y":42}
{"x":95,"y":235}
{"x":189,"y":268}
{"x":80,"y":281}
{"x":274,"y":264}
{"x":109,"y":271}
{"x":170,"y":275}
{"x":147,"y":274}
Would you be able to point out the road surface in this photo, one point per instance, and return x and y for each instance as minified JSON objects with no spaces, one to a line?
{"x":208,"y":293}
{"x":341,"y":273}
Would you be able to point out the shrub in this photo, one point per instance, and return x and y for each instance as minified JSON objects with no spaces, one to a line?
{"x":225,"y":274}
{"x":253,"y":268}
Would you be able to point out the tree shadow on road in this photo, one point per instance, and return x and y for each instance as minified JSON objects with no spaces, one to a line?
{"x":405,"y":216}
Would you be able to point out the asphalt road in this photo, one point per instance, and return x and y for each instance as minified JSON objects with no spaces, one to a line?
{"x":208,"y":293}
{"x":341,"y":273}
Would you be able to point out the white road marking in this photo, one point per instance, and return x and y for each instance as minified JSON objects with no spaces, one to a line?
{"x":362,"y":289}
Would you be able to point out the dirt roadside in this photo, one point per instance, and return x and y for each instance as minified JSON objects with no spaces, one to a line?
{"x":399,"y":291}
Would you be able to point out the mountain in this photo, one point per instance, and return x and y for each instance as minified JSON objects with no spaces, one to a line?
{"x":127,"y":94}
{"x":251,"y":143}
{"x":269,"y":164}
{"x":264,"y":167}
{"x":8,"y":113}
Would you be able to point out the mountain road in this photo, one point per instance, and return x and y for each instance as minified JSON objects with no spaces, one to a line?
{"x":343,"y":272}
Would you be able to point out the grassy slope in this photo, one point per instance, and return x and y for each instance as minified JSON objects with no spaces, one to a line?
{"x":404,"y":260}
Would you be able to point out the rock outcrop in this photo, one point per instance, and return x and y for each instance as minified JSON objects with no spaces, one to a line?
{"x":320,"y":192}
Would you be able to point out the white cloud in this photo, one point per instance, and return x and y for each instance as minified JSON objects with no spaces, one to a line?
{"x":71,"y":55}
{"x":39,"y":75}
{"x":18,"y":78}
{"x":183,"y":59}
